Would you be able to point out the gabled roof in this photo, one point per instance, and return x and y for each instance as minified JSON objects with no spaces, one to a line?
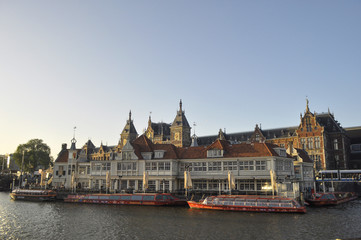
{"x":62,"y":156}
{"x":230,"y":150}
{"x":218,"y":144}
{"x":303,"y":155}
{"x":143,"y":143}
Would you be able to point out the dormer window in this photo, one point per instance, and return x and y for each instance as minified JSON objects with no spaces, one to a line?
{"x":147,"y":155}
{"x":212,"y":153}
{"x":281,"y":152}
{"x":159,"y":154}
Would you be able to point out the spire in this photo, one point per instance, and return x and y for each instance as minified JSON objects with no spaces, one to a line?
{"x":180,"y":105}
{"x":130,"y":115}
{"x":307,"y":108}
{"x":150,"y":119}
{"x":221,"y":135}
{"x":73,"y":141}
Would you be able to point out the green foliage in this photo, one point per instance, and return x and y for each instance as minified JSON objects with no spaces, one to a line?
{"x":35,"y":153}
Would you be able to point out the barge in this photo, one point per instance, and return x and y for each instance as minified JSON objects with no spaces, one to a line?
{"x":33,"y":195}
{"x":330,"y":198}
{"x":150,"y":199}
{"x":249,"y":203}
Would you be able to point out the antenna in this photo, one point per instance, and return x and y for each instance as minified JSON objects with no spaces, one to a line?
{"x":74,"y":132}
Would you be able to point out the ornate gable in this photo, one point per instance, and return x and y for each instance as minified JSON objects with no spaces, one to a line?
{"x":258,"y":136}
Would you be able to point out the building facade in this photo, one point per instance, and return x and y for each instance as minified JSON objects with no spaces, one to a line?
{"x":165,"y":164}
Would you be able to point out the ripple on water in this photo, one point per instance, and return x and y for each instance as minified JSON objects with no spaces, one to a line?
{"x":28,"y":220}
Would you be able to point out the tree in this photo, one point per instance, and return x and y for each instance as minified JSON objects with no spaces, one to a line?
{"x":36,"y":153}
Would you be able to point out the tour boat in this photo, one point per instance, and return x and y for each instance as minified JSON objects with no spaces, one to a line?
{"x":153,"y":199}
{"x":249,"y":203}
{"x":33,"y":195}
{"x":330,"y":198}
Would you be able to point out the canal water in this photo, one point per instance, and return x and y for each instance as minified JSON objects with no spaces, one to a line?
{"x":58,"y":220}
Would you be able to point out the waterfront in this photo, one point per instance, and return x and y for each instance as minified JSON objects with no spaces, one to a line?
{"x":58,"y":220}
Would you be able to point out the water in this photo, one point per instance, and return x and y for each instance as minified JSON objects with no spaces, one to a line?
{"x":58,"y":220}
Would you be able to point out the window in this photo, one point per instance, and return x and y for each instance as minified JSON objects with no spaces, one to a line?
{"x":288,"y":165}
{"x":355,"y":148}
{"x":261,"y":165}
{"x":158,"y":154}
{"x":310,"y":143}
{"x":199,"y":166}
{"x":199,"y":184}
{"x":335,"y":144}
{"x":246,"y":165}
{"x":161,"y":166}
{"x":127,"y":166}
{"x":147,"y":166}
{"x":308,"y":124}
{"x":215,"y":153}
{"x":246,"y":185}
{"x":164,"y":184}
{"x":279,"y":165}
{"x":105,"y":166}
{"x":154,"y":166}
{"x":213,"y":184}
{"x":214,"y":166}
{"x":303,"y":143}
{"x":151,"y":186}
{"x":317,"y":143}
{"x":167,"y":166}
{"x":228,"y":166}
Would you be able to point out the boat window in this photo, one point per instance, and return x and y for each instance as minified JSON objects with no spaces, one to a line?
{"x":103,"y":197}
{"x":327,"y":196}
{"x":148,"y":198}
{"x":171,"y":197}
{"x":125,"y":197}
{"x":228,"y":201}
{"x":137,"y":197}
{"x":166,"y":197}
{"x":273,"y":204}
{"x":114,"y":197}
{"x":250,"y":203}
{"x":159,"y":197}
{"x":93,"y":197}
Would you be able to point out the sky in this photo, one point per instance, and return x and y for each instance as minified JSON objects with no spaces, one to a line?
{"x":234,"y":64}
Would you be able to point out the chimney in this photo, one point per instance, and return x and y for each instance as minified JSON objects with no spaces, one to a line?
{"x":63,"y":146}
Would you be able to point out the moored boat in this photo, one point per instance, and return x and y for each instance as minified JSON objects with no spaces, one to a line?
{"x":153,"y":199}
{"x":33,"y":195}
{"x":330,"y":198}
{"x":249,"y":203}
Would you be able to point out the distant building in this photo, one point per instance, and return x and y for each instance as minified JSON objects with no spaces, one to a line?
{"x":354,"y":133}
{"x":320,"y":135}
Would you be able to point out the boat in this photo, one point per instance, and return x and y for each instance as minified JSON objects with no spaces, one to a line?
{"x":33,"y":195}
{"x":152,"y":199}
{"x":330,"y":198}
{"x":249,"y":203}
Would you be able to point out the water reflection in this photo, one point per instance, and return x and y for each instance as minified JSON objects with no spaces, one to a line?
{"x":28,"y":220}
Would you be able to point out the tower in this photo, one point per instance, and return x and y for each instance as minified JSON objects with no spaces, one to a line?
{"x":129,"y":132}
{"x":180,"y":131}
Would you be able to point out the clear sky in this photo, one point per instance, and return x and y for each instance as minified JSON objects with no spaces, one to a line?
{"x":234,"y":64}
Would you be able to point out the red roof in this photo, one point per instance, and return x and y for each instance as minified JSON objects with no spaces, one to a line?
{"x":63,"y":156}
